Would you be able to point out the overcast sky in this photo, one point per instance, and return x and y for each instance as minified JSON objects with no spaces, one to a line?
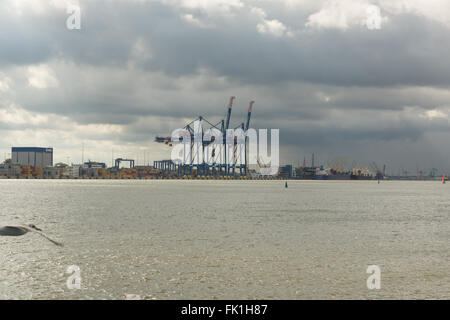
{"x":335,"y":77}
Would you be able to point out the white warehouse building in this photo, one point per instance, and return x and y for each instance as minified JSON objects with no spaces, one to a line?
{"x":35,"y":157}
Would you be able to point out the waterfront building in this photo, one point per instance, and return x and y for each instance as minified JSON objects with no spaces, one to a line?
{"x":32,"y":156}
{"x":10,"y":170}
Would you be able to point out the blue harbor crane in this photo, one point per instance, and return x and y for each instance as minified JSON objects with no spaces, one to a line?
{"x":119,"y":160}
{"x":210,"y":148}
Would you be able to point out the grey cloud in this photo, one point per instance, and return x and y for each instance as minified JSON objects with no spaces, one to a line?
{"x":404,"y":52}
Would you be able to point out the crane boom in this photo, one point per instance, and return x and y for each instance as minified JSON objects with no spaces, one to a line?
{"x":249,"y":115}
{"x":230,"y":106}
{"x":375,"y":167}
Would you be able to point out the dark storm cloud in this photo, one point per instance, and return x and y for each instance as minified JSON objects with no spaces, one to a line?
{"x":409,"y":50}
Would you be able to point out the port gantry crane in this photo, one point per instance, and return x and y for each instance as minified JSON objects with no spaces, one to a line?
{"x":119,"y":160}
{"x":230,"y":160}
{"x":379,"y":174}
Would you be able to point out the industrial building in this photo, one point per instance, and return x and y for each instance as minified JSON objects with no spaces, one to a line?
{"x":73,"y":172}
{"x":31,"y":156}
{"x":286,"y":172}
{"x":10,"y":170}
{"x":94,"y":164}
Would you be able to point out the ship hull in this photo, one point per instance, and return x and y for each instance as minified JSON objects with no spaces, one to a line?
{"x":333,"y":177}
{"x":355,"y":177}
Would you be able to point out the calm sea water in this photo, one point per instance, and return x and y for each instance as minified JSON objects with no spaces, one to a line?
{"x":226,"y":239}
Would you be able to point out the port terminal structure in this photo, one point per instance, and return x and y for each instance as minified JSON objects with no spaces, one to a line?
{"x":206,"y":156}
{"x":119,"y":160}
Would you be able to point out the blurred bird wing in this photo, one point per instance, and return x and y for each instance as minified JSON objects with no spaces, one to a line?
{"x":13,"y":230}
{"x":49,"y":239}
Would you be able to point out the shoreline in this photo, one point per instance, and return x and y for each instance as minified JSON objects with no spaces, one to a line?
{"x":226,"y":178}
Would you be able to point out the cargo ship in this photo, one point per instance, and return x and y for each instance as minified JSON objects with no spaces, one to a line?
{"x":331,"y":174}
{"x":320,"y":173}
{"x":363,"y":174}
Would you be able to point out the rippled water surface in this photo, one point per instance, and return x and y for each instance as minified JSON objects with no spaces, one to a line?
{"x":226,"y":239}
